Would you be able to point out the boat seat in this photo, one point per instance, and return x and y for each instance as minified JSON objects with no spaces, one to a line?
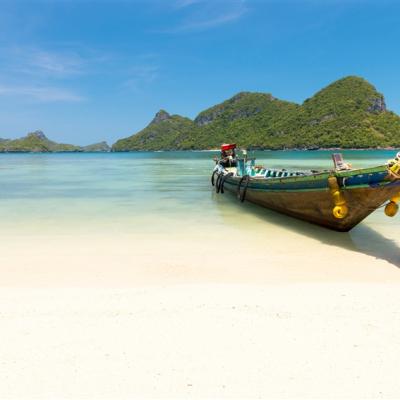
{"x":232,"y":169}
{"x":339,"y":163}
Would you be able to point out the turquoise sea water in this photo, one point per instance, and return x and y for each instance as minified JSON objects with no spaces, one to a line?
{"x":161,"y":192}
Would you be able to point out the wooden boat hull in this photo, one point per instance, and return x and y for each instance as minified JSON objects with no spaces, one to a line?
{"x":309,"y":198}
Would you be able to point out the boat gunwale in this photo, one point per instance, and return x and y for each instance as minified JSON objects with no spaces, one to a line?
{"x":261,"y":184}
{"x":321,"y":175}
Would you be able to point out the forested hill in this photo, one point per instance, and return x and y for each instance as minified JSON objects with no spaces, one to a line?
{"x":37,"y":142}
{"x":348,"y":113}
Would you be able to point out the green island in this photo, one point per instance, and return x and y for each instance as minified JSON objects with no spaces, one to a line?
{"x":37,"y":142}
{"x":349,"y":113}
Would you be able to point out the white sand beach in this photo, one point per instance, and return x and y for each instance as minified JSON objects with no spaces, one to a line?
{"x":143,"y":283}
{"x":125,"y":316}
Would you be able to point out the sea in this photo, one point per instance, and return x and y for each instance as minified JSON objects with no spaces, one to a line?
{"x":169,"y":193}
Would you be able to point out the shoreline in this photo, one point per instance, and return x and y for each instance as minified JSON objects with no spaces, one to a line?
{"x":203,"y":150}
{"x":94,"y":259}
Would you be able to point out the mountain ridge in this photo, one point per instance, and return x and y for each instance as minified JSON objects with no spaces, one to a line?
{"x":348,"y":113}
{"x":37,"y":142}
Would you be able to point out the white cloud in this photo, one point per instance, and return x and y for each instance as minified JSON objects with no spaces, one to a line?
{"x":41,"y":93}
{"x":141,"y":74}
{"x":37,"y":74}
{"x":35,"y":61}
{"x":59,"y":64}
{"x":186,"y":3}
{"x":46,"y":75}
{"x":200,"y":23}
{"x":205,"y":14}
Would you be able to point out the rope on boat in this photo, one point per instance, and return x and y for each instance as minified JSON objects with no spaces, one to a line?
{"x":241,"y":195}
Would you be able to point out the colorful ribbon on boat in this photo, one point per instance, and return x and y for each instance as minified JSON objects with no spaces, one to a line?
{"x":394,"y":166}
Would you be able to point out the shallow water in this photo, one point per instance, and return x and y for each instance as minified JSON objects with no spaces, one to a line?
{"x":167,"y":193}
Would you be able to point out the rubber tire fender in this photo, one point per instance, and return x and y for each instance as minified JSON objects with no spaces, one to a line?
{"x":241,"y":195}
{"x":213,"y":177}
{"x":218,"y":183}
{"x":222,"y":181}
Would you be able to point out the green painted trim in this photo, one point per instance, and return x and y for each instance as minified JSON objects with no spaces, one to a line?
{"x":344,"y":174}
{"x":308,"y":190}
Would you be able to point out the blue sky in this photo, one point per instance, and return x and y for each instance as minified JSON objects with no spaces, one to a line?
{"x":85,"y":71}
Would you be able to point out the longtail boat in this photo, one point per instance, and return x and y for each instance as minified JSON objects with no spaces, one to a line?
{"x":338,"y":199}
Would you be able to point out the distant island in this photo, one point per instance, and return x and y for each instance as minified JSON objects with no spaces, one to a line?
{"x":348,"y":113}
{"x":37,"y":142}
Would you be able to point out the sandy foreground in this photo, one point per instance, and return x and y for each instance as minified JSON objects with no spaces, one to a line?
{"x":128,"y":317}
